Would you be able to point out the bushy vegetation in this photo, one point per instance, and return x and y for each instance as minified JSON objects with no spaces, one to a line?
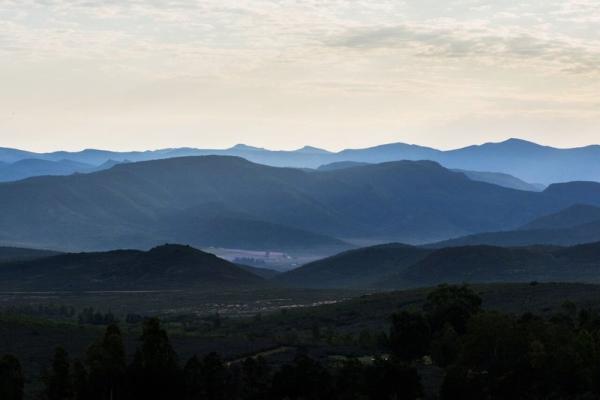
{"x":492,"y":355}
{"x":481,"y":355}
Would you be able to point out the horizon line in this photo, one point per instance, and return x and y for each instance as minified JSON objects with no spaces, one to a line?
{"x":296,"y":149}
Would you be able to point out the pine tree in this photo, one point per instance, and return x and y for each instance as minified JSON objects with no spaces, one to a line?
{"x":11,"y":378}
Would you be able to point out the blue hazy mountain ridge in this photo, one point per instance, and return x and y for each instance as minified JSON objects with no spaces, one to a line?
{"x":29,"y":167}
{"x":570,"y":217}
{"x":496,"y":178}
{"x":574,"y":225}
{"x":522,"y":159}
{"x":140,"y":205}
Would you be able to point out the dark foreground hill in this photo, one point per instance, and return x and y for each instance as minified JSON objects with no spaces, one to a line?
{"x":140,"y":205}
{"x":400,"y":266}
{"x":164,"y":267}
{"x":476,"y":264}
{"x":358,"y":268}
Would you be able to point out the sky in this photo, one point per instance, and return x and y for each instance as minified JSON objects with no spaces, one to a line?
{"x":282,"y":74}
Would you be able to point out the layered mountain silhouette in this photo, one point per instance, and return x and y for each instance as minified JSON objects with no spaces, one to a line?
{"x":229,"y":201}
{"x":161,"y":268}
{"x":525,"y":160}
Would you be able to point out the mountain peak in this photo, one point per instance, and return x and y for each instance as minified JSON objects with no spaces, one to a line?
{"x":245,"y":147}
{"x":516,"y":142}
{"x":311,"y":149}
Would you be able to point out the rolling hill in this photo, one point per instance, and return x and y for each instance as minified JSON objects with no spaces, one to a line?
{"x":472,"y":264}
{"x":358,"y":268}
{"x":140,"y":205}
{"x":397,"y":266}
{"x":166,"y":267}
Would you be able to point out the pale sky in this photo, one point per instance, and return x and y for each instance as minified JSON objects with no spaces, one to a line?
{"x":281,"y":74}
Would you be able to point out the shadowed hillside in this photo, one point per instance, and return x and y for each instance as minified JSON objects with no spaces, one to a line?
{"x":164,"y":267}
{"x":355,"y":268}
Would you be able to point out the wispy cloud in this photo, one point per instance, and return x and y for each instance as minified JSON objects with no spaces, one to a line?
{"x":315,"y":69}
{"x":478,"y":42}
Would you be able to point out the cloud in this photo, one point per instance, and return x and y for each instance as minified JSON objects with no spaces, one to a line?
{"x":478,"y":42}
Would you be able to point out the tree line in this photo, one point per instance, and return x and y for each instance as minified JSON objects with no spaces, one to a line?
{"x":483,"y":354}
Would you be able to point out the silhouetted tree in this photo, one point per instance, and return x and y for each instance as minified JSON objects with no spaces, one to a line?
{"x":454,"y":305}
{"x":11,"y":378}
{"x":107,"y":366}
{"x":58,"y":382}
{"x":391,"y":380}
{"x":214,"y":377}
{"x":304,"y":379}
{"x":192,"y":378}
{"x":154,"y":373}
{"x":445,"y":346}
{"x":80,"y":381}
{"x":255,"y":379}
{"x":409,"y":336}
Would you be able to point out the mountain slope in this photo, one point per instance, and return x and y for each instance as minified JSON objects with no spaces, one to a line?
{"x":570,"y":217}
{"x":20,"y":254}
{"x":478,"y":264}
{"x":500,"y":179}
{"x":341,"y":165}
{"x":139,"y":205}
{"x":164,"y":267}
{"x":355,"y":268}
{"x":34,"y":167}
{"x":574,"y":225}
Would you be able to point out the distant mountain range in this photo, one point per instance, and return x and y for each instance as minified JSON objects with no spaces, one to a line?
{"x":231,"y":202}
{"x":397,"y":266}
{"x":29,"y":167}
{"x":527,"y":161}
{"x":162,"y":268}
